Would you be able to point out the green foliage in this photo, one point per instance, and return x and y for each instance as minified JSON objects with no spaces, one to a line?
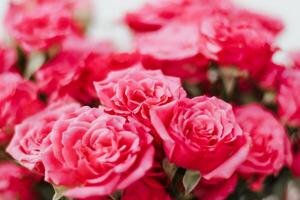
{"x":58,"y":192}
{"x":190,"y":180}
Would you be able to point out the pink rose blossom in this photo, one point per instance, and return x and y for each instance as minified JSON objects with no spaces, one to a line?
{"x":16,"y":183}
{"x":178,"y":55}
{"x":80,"y":63}
{"x":269,"y":78}
{"x":156,"y":14}
{"x":201,"y":134}
{"x":135,"y":90}
{"x":169,"y":48}
{"x":217,"y":31}
{"x":288,"y":97}
{"x":35,"y":27}
{"x":99,"y":152}
{"x":153,"y":15}
{"x":270,"y":149}
{"x":8,"y":58}
{"x":73,"y":71}
{"x":18,"y":100}
{"x":161,"y":46}
{"x":295,"y":58}
{"x":240,"y":36}
{"x":27,"y":144}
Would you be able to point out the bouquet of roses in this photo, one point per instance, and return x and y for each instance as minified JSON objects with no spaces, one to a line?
{"x":198,"y":110}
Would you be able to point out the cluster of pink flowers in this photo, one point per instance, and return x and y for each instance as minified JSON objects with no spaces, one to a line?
{"x":195,"y":111}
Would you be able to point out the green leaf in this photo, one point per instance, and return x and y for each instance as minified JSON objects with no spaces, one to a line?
{"x":269,"y":97}
{"x":169,"y":168}
{"x":193,"y":89}
{"x":59,"y":191}
{"x":190,"y":180}
{"x":117,"y":195}
{"x":36,"y":60}
{"x":229,"y":77}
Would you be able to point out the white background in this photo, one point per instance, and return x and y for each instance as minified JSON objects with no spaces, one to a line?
{"x":108,"y":19}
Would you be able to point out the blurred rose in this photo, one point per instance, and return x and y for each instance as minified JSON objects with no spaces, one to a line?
{"x":239,"y":37}
{"x":156,"y":14}
{"x":201,"y":134}
{"x":73,"y":70}
{"x":216,"y":31}
{"x":81,"y":10}
{"x":153,"y":15}
{"x":270,"y":149}
{"x":289,"y":97}
{"x":84,"y":46}
{"x":35,"y":26}
{"x":269,"y":77}
{"x":178,"y":55}
{"x":18,"y":100}
{"x":169,"y":48}
{"x":16,"y":183}
{"x":295,"y":58}
{"x":8,"y":58}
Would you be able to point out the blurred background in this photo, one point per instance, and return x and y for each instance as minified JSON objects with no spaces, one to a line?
{"x":108,"y":19}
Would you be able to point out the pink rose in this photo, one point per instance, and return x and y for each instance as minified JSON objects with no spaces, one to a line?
{"x":270,"y":76}
{"x":99,"y":152}
{"x":73,"y":71}
{"x":27,"y":144}
{"x":8,"y":58}
{"x":177,"y":47}
{"x":135,"y":90}
{"x":270,"y":149}
{"x":175,"y":54}
{"x":169,"y":48}
{"x":216,"y":191}
{"x":239,"y":37}
{"x":18,"y":99}
{"x":217,"y":31}
{"x":295,"y":58}
{"x":16,"y":183}
{"x":157,"y":14}
{"x":201,"y":134}
{"x":153,"y":15}
{"x":288,"y":97}
{"x":35,"y":27}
